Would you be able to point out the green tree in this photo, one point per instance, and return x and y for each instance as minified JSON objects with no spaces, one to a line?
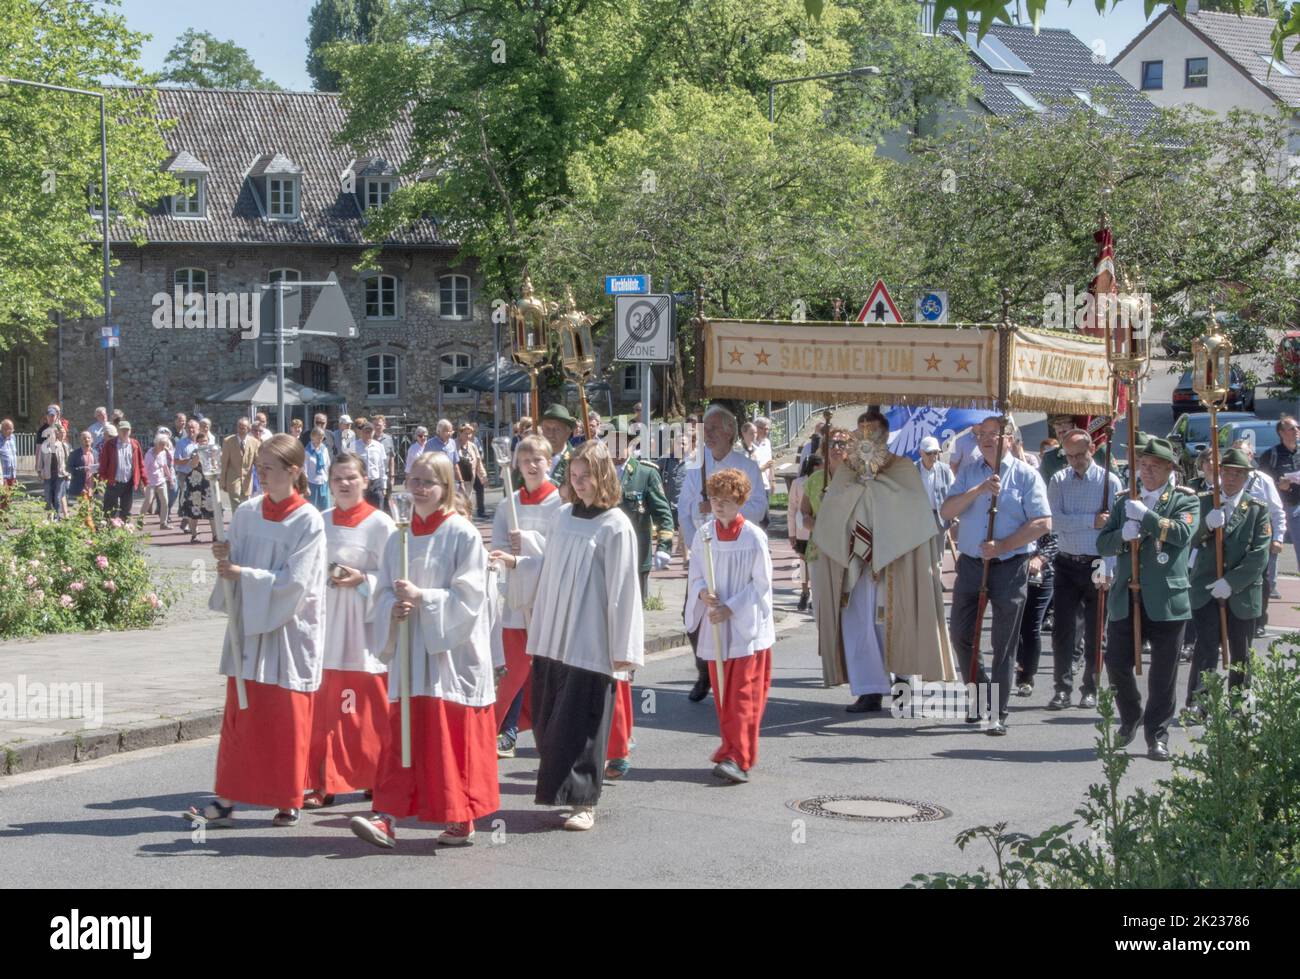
{"x":1197,"y":203}
{"x":49,"y":157}
{"x":1259,"y":8}
{"x":199,"y":59}
{"x":356,"y":21}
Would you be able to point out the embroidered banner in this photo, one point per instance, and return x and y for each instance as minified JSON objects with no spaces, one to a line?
{"x":910,"y":364}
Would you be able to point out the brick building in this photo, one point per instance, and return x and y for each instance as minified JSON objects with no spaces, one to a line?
{"x":269,"y":195}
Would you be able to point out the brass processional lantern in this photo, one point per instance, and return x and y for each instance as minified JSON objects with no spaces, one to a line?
{"x":530,"y":344}
{"x":577,"y":351}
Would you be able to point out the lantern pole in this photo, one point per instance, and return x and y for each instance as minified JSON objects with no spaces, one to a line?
{"x":530,"y":343}
{"x":1211,"y":373}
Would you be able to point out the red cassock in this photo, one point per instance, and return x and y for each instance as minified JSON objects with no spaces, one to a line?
{"x":349,"y":729}
{"x":453,"y":773}
{"x":262,"y":758}
{"x":519,"y":670}
{"x":620,"y":730}
{"x":747,"y":679}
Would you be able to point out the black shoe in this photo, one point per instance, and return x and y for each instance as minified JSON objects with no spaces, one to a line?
{"x":1275,"y":595}
{"x":1158,"y":751}
{"x":803,"y":601}
{"x":1185,"y":654}
{"x":1088,"y":701}
{"x":1125,"y":735}
{"x":865,"y":704}
{"x":699,"y":691}
{"x":997,"y":729}
{"x":1060,"y":701}
{"x":1261,"y":633}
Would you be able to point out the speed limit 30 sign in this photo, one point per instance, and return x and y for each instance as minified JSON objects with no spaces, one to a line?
{"x":643,"y":328}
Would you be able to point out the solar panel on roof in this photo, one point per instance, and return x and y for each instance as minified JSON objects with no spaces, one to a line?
{"x":996,"y":56}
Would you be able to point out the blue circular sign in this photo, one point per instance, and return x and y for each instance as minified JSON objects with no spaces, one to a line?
{"x":931,"y":307}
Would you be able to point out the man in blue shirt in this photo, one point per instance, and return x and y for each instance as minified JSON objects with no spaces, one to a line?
{"x":1022,"y":517}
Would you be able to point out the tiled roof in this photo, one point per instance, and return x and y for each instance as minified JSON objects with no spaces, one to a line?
{"x":186,"y":163}
{"x":238,"y":133}
{"x":1246,"y":40}
{"x":1059,"y":63}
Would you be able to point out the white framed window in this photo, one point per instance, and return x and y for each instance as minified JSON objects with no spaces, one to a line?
{"x":629,"y":380}
{"x":454,"y":363}
{"x":453,"y":297}
{"x":192,"y":201}
{"x":378,"y":190}
{"x":1280,"y":67}
{"x":23,"y":384}
{"x":1024,"y":98}
{"x":1084,"y":96}
{"x":284,"y":275}
{"x":381,"y":297}
{"x":282,"y":197}
{"x":191,"y":280}
{"x":381,"y":376}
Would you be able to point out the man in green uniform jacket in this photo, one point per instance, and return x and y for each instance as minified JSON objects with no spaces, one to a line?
{"x":557,"y":426}
{"x":1247,"y":533}
{"x":645,"y":503}
{"x":1163,"y":520}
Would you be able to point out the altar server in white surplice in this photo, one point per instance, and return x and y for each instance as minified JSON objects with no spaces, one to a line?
{"x":453,"y":773}
{"x":586,"y":633}
{"x":740,"y":606}
{"x":276,"y":555}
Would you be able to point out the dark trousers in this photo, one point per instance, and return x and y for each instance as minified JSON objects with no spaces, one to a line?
{"x":375,"y":494}
{"x":119,"y":497}
{"x":645,"y":585}
{"x":1007,"y":594}
{"x":510,"y":723}
{"x":1075,"y":593}
{"x":1162,"y":674}
{"x":572,"y":713}
{"x":1207,"y":657}
{"x":1038,"y":600}
{"x":1269,"y":577}
{"x":480,"y":507}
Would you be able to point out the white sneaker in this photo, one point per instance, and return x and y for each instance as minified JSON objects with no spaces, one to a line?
{"x":582,"y":818}
{"x":457,"y":834}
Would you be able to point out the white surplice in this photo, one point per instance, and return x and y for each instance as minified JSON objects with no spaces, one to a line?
{"x":587,"y":593}
{"x":534,"y":522}
{"x":280,"y":594}
{"x":743,"y":574}
{"x":864,"y":640}
{"x":350,"y":639}
{"x":451,"y":654}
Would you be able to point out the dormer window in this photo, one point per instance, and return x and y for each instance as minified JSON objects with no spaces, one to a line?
{"x":282,"y":197}
{"x":191,"y":201}
{"x":378,"y":190}
{"x":277,"y":182}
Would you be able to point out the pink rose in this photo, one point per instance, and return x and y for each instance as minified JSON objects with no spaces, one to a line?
{"x":31,"y":580}
{"x":65,"y":601}
{"x":115,"y":523}
{"x":152,"y":599}
{"x":109,"y":586}
{"x":101,"y":562}
{"x":77,"y":586}
{"x":38,"y":596}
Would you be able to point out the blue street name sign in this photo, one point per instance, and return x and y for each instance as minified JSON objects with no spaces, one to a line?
{"x":627,"y":285}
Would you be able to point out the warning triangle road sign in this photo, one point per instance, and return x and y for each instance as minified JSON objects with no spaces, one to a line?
{"x":879,"y":308}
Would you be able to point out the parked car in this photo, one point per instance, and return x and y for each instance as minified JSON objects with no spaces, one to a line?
{"x":1261,"y":431}
{"x":1191,"y":434}
{"x":1240,"y":397}
{"x":1286,"y":363}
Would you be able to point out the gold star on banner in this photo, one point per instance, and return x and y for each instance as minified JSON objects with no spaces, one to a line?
{"x":1021,"y":362}
{"x":1091,"y":373}
{"x":762,"y":357}
{"x":734,"y":353}
{"x":932,"y":363}
{"x":963,"y":364}
{"x":1031,"y":363}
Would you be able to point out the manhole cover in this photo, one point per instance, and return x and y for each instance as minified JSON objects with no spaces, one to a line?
{"x":871,"y":809}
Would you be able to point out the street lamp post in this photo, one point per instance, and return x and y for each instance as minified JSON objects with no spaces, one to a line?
{"x":103,"y":201}
{"x":865,"y":70}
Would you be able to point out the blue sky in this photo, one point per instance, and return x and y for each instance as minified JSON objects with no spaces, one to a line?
{"x":275,"y":31}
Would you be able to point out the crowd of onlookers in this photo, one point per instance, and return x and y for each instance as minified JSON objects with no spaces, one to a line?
{"x":172,"y":467}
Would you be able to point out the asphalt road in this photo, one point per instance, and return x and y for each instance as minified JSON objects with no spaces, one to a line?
{"x":670,"y":823}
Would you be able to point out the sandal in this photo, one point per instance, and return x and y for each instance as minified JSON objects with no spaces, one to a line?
{"x":212,"y":814}
{"x":317,"y":800}
{"x":286,"y":817}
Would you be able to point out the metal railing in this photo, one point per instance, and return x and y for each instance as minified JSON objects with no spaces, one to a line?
{"x":789,"y":421}
{"x":26,"y":445}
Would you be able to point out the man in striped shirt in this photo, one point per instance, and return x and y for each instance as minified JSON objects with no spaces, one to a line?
{"x":1075,"y":496}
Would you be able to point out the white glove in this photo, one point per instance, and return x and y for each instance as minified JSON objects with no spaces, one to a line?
{"x":1099,"y":572}
{"x":1135,"y":509}
{"x":1220,"y":589}
{"x":661,"y":560}
{"x":1132,"y":530}
{"x":1215,"y":519}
